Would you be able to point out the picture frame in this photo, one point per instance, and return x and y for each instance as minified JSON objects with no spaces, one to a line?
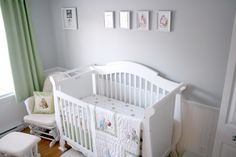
{"x":69,"y":18}
{"x":109,"y":22}
{"x":125,"y":19}
{"x":164,"y":21}
{"x":142,"y":20}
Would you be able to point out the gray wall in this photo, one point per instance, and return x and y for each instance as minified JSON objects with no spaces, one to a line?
{"x":42,"y":22}
{"x":195,"y":52}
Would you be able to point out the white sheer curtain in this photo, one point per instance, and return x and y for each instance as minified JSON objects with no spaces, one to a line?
{"x":6,"y":81}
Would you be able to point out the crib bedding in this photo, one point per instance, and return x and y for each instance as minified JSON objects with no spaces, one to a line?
{"x":116,"y":106}
{"x":122,"y":141}
{"x":117,"y":127}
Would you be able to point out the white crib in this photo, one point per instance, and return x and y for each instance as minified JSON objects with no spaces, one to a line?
{"x":128,"y":82}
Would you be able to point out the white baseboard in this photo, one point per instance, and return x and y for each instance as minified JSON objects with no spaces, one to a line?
{"x":16,"y":128}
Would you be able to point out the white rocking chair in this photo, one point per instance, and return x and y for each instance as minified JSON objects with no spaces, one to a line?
{"x":43,"y":125}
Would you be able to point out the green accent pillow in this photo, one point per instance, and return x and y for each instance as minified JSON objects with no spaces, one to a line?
{"x":43,"y":102}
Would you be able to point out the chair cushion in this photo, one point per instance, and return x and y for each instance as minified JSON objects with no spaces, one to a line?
{"x":18,"y":144}
{"x":43,"y":102}
{"x":43,"y":120}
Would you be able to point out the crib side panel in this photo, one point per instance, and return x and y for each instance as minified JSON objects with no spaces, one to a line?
{"x":158,"y":126}
{"x":77,"y":87}
{"x":74,"y":118}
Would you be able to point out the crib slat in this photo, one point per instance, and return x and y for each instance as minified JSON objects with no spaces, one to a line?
{"x":62,"y":115}
{"x":140,"y":92}
{"x":89,"y":131}
{"x":107,"y":89}
{"x":155,"y":92}
{"x":125,"y":87}
{"x":80,"y":124}
{"x":67,"y":119}
{"x":151,"y":94}
{"x":97,"y":84}
{"x":130,"y":86}
{"x":75,"y":123}
{"x":135,"y":88}
{"x":120,"y":86}
{"x":100,"y":84}
{"x":145,"y":93}
{"x":111,"y":86}
{"x":71,"y":121}
{"x":84,"y":128}
{"x":103,"y":85}
{"x":115,"y":85}
{"x":94,"y":83}
{"x":160,"y":93}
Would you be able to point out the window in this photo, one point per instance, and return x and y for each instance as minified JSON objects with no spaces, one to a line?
{"x":6,"y":82}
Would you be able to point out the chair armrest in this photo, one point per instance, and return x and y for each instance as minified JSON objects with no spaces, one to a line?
{"x":29,"y":104}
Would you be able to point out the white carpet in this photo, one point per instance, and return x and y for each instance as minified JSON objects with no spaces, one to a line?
{"x":72,"y":153}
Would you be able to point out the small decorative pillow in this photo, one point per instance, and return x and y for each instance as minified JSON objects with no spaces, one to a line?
{"x":43,"y":102}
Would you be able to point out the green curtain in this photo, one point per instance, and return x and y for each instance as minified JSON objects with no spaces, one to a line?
{"x":26,"y":65}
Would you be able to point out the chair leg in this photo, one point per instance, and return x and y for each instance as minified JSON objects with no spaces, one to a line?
{"x":31,"y":130}
{"x":52,"y":143}
{"x":62,"y":145}
{"x":38,"y":131}
{"x":35,"y":151}
{"x":54,"y":133}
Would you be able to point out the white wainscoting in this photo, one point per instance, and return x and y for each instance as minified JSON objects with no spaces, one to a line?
{"x":199,"y":128}
{"x":11,"y":113}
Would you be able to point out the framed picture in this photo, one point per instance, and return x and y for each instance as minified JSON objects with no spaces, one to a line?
{"x":164,"y":21}
{"x":142,"y":20}
{"x":125,"y":19}
{"x":69,"y":18}
{"x":109,"y":19}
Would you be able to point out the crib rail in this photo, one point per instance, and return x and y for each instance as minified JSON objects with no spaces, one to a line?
{"x":74,"y":118}
{"x":130,"y":88}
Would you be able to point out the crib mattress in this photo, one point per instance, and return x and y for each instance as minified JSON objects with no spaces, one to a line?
{"x":116,"y":106}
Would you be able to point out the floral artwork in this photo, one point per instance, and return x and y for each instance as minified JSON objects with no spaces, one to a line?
{"x":164,"y":21}
{"x":143,"y":20}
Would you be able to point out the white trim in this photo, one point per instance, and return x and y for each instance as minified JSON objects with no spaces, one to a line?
{"x":201,"y":105}
{"x":54,"y":69}
{"x":6,"y":97}
{"x":19,"y":127}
